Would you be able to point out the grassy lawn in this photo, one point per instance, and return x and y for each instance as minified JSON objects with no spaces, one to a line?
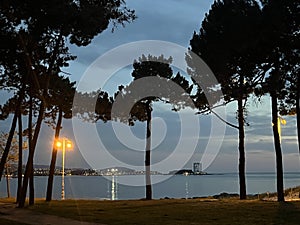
{"x":169,"y":211}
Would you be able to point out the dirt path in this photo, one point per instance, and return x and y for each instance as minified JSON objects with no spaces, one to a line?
{"x":10,"y":212}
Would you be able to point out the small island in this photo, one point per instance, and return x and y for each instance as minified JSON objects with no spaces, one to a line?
{"x":187,"y":172}
{"x":197,"y":170}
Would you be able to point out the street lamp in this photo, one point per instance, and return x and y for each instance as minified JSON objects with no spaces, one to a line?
{"x":63,"y":144}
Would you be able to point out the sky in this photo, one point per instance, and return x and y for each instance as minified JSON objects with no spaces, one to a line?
{"x":171,"y":21}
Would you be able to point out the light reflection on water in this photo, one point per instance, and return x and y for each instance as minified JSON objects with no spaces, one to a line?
{"x":114,"y":188}
{"x":186,"y":188}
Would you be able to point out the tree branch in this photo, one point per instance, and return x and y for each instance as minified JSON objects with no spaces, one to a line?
{"x":223,"y":120}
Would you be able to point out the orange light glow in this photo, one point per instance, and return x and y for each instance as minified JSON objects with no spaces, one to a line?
{"x":69,"y":144}
{"x":63,"y":144}
{"x":58,"y":144}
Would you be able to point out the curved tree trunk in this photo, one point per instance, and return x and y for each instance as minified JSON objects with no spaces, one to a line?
{"x":8,"y":142}
{"x":148,"y":154}
{"x":12,"y":129}
{"x":32,"y":146}
{"x":20,"y":157}
{"x":33,"y":142}
{"x":53,"y":158}
{"x":279,"y":164}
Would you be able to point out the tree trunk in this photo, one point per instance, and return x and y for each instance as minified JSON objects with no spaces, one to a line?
{"x":31,"y":186}
{"x":12,"y":129}
{"x":31,"y":177}
{"x":7,"y":181}
{"x":32,"y":143}
{"x":279,"y":164}
{"x":53,"y":159}
{"x":298,"y":111}
{"x":148,"y":154}
{"x":32,"y":146}
{"x":20,"y":157}
{"x":8,"y":142}
{"x":242,"y":176}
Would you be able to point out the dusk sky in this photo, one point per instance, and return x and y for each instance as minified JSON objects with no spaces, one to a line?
{"x":171,"y":21}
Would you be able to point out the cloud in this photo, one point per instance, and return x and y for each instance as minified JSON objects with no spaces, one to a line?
{"x":167,"y":20}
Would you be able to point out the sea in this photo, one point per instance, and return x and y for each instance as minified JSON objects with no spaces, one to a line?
{"x":176,"y":186}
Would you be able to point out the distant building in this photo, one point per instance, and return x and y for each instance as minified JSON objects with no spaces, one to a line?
{"x":197,"y":167}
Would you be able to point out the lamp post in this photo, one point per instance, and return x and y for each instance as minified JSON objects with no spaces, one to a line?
{"x":64,"y":144}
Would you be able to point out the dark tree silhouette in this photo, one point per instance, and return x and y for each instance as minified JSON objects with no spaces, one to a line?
{"x":61,"y":94}
{"x":287,"y":29}
{"x":281,"y":47}
{"x":148,"y":67}
{"x":12,"y":157}
{"x":11,"y":107}
{"x":20,"y":156}
{"x":92,"y":106}
{"x":227,"y":42}
{"x":38,"y":33}
{"x":153,"y":81}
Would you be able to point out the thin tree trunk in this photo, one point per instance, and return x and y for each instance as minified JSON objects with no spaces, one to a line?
{"x":279,"y":164}
{"x":20,"y":156}
{"x":53,"y":159}
{"x":33,"y":142}
{"x":242,"y":177}
{"x":8,"y":142}
{"x":31,"y":177}
{"x":7,"y":181}
{"x":12,"y":129}
{"x":32,"y":146}
{"x":148,"y":155}
{"x":298,"y":111}
{"x":31,"y":186}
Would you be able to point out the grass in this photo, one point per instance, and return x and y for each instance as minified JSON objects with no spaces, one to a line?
{"x":10,"y":222}
{"x":5,"y":221}
{"x":175,"y":211}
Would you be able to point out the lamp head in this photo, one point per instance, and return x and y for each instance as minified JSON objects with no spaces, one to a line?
{"x":69,"y":144}
{"x":58,"y":143}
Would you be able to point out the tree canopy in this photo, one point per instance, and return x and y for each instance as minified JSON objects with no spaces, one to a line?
{"x":34,"y":41}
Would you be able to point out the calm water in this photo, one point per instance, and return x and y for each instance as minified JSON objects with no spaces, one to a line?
{"x":96,"y":187}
